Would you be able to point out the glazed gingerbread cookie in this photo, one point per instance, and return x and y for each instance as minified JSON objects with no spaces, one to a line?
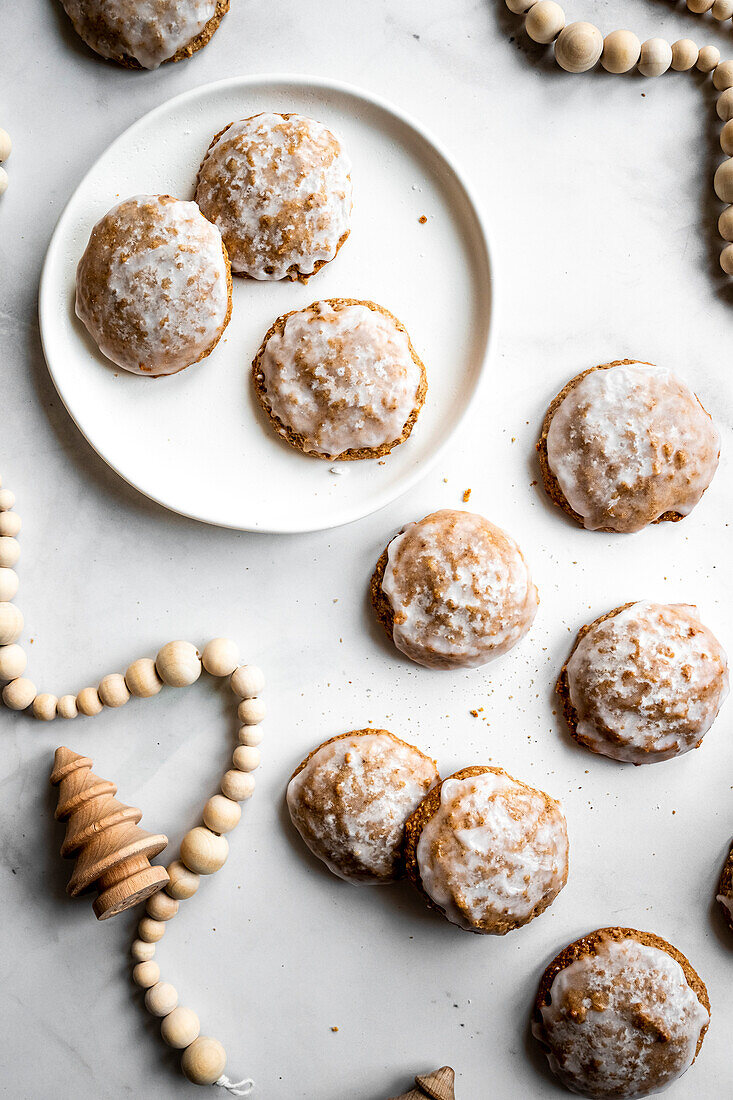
{"x":627,"y":444}
{"x":340,"y":379}
{"x":725,"y":890}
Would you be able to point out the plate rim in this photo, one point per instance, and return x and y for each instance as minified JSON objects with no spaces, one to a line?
{"x":46,"y":301}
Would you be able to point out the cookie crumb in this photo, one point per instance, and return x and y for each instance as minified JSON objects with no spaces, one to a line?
{"x":466,"y":495}
{"x":422,"y":219}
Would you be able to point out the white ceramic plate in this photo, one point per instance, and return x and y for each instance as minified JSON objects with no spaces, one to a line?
{"x":197,"y":442}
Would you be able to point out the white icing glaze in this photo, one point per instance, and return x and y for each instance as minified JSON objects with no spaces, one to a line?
{"x":494,"y":851}
{"x":151,"y":287}
{"x":150,"y":31}
{"x":647,"y":683}
{"x":622,"y":1022}
{"x":459,"y":589}
{"x":341,"y":377}
{"x":280,"y":191}
{"x":351,"y":801}
{"x":629,"y":443}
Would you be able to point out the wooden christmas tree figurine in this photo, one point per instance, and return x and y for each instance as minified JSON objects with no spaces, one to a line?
{"x":112,"y":853}
{"x":438,"y":1085}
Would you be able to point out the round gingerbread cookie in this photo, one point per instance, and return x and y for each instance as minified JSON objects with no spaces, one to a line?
{"x":644,"y":682}
{"x":153,"y":287}
{"x":489,"y":852}
{"x":620,"y":1014}
{"x":453,"y":591}
{"x":142,"y":34}
{"x":350,"y":798}
{"x":279,"y":188}
{"x":627,"y":444}
{"x":725,"y":890}
{"x":340,"y":379}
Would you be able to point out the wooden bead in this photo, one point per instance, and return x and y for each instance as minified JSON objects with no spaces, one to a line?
{"x":183,"y":883}
{"x":699,"y":7}
{"x":544,"y":21}
{"x":12,"y":661}
{"x":150,"y":930}
{"x":112,"y":690}
{"x":6,"y":145}
{"x":146,"y":974}
{"x":203,"y":851}
{"x":722,"y":10}
{"x":684,"y":55}
{"x":142,"y":951}
{"x":708,"y":59}
{"x":246,"y":758}
{"x":251,"y":711}
{"x":4,"y":181}
{"x":726,"y":139}
{"x":11,"y":623}
{"x":88,"y":702}
{"x":520,"y":7}
{"x":142,"y":678}
{"x":44,"y":707}
{"x":180,"y":1027}
{"x":248,"y":680}
{"x":578,"y":47}
{"x":204,"y":1061}
{"x":724,"y":105}
{"x":237,"y":785}
{"x":726,"y":259}
{"x":7,"y":498}
{"x":725,"y":224}
{"x":10,"y":524}
{"x":161,"y":999}
{"x":655,"y":58}
{"x":221,"y":814}
{"x":621,"y":50}
{"x":9,"y":551}
{"x":723,"y":75}
{"x":19,"y":694}
{"x":8,"y":584}
{"x":250,"y":735}
{"x":220,"y":657}
{"x":178,"y":664}
{"x":66,"y":707}
{"x":161,"y":906}
{"x":723,"y":181}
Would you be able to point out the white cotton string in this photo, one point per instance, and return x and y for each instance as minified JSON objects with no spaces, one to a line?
{"x":236,"y":1088}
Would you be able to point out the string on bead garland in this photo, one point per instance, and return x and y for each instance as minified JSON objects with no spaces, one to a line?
{"x":580,"y":46}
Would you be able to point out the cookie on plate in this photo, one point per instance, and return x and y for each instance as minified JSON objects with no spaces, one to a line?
{"x":620,"y":1014}
{"x":627,"y":444}
{"x":490,"y":853}
{"x":153,"y":287}
{"x":350,"y":798}
{"x":725,"y":890}
{"x":279,"y":188}
{"x":340,"y":379}
{"x":453,"y":591}
{"x":644,"y":682}
{"x":142,"y":34}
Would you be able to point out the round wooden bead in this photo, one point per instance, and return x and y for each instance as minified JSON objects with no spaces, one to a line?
{"x":724,"y":106}
{"x":204,"y":1061}
{"x":10,"y":524}
{"x":88,"y":702}
{"x":146,"y":974}
{"x":544,"y":21}
{"x":183,"y":883}
{"x":6,"y":144}
{"x":237,"y":785}
{"x":7,"y":498}
{"x":178,"y":664}
{"x":150,"y":930}
{"x":11,"y":623}
{"x":142,"y":951}
{"x":723,"y":75}
{"x":180,"y":1027}
{"x":251,"y":711}
{"x":142,"y":678}
{"x":520,"y":7}
{"x":221,"y":814}
{"x":9,"y":551}
{"x":248,"y":680}
{"x":655,"y":58}
{"x":12,"y":662}
{"x":66,"y":707}
{"x":726,"y":139}
{"x":19,"y":694}
{"x":161,"y":906}
{"x":699,"y":7}
{"x":621,"y":50}
{"x":725,"y":224}
{"x":203,"y":851}
{"x":708,"y":59}
{"x":246,"y":758}
{"x":3,"y":181}
{"x":722,"y":9}
{"x":8,"y":584}
{"x":723,"y":181}
{"x":726,"y":259}
{"x":578,"y":47}
{"x":112,"y":690}
{"x":161,"y":999}
{"x":250,"y":735}
{"x":220,"y":657}
{"x":44,"y":707}
{"x":684,"y":55}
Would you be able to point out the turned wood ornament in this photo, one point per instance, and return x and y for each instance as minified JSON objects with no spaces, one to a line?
{"x":439,"y":1085}
{"x":112,"y":854}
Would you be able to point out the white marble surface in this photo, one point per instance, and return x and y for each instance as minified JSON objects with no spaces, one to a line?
{"x":597,"y":189}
